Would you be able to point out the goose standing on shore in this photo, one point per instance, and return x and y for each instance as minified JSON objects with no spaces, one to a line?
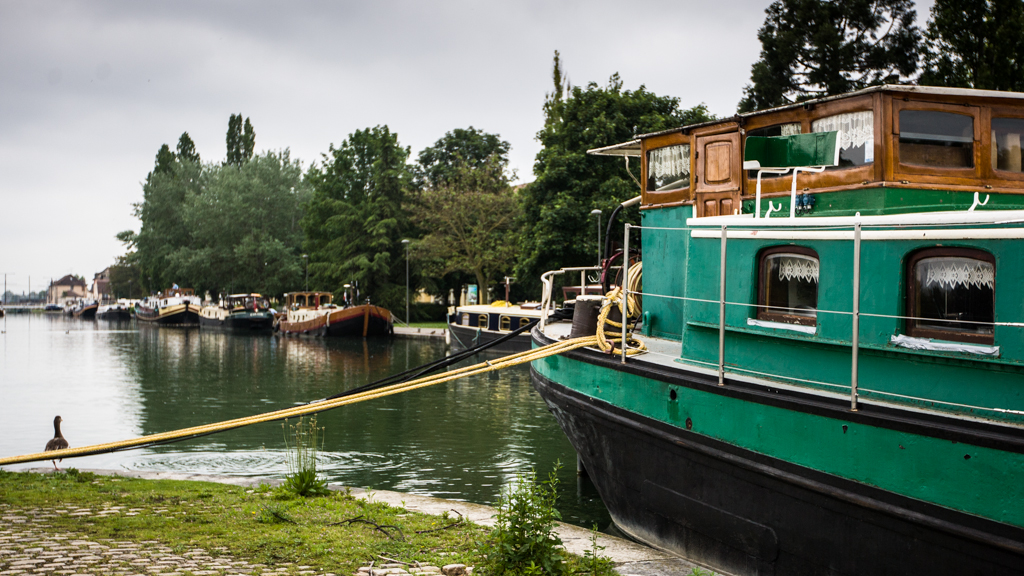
{"x":57,"y":442}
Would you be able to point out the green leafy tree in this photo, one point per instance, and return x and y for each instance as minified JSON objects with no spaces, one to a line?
{"x":556,"y":226}
{"x":243,"y":228}
{"x":355,"y":221}
{"x":813,"y":48}
{"x":241,"y":140}
{"x":468,"y":218}
{"x":161,"y":212}
{"x":975,"y":44}
{"x":187,"y":149}
{"x":456,"y":150}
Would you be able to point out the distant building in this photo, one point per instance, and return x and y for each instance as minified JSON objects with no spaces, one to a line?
{"x":65,"y":290}
{"x":101,"y":286}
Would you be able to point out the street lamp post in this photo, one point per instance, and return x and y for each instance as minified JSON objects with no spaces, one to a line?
{"x":597,"y":212}
{"x":406,"y":242}
{"x":305,"y":260}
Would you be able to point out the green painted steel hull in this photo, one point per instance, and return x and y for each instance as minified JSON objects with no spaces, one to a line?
{"x":941,"y":492}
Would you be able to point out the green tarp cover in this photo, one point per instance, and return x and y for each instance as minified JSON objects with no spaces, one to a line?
{"x":800,"y":150}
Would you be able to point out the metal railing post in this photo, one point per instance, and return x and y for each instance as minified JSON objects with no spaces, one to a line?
{"x":721,"y":311}
{"x":625,"y":290}
{"x":854,"y":376}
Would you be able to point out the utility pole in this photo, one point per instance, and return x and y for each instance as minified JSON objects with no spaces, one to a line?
{"x":597,"y":212}
{"x":406,"y":242}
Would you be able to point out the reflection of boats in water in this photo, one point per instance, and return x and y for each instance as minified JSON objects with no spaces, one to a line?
{"x":314,"y":313}
{"x":120,"y":310}
{"x":172,"y":307}
{"x":243,"y":312}
{"x":471,"y":326}
{"x":802,"y":410}
{"x":53,"y":308}
{"x":86,"y":309}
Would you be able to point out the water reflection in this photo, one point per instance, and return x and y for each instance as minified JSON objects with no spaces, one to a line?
{"x":464,"y":439}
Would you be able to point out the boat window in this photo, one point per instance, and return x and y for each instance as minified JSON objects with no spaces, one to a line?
{"x":951,"y":295}
{"x":506,"y":323}
{"x":939,"y":139}
{"x":856,"y":136}
{"x":790,"y":129}
{"x":523,"y":322}
{"x":788,"y":285}
{"x":481,"y":321}
{"x":465,"y":320}
{"x":1006,"y":145}
{"x":668,"y":168}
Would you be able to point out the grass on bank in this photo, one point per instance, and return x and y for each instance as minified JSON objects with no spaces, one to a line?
{"x":430,"y":325}
{"x":337,"y":532}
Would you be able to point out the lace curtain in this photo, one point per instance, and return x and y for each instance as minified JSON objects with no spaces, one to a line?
{"x":668,"y":165}
{"x":790,"y":129}
{"x":855,"y":129}
{"x":958,"y":272}
{"x":798,"y":268}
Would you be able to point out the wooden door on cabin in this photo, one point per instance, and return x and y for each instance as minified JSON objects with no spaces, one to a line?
{"x":718,"y":174}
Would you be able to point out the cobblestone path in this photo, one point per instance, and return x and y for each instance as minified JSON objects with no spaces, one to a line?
{"x":28,"y":545}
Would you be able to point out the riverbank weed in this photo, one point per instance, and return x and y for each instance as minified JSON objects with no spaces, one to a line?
{"x":306,"y":443}
{"x":523,"y":541}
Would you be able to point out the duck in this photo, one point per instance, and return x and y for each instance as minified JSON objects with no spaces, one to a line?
{"x":57,"y":442}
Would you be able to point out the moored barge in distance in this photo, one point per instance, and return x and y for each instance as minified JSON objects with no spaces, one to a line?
{"x":85,"y":309}
{"x":238,"y":312}
{"x":471,"y":326}
{"x":314,"y":314}
{"x":834,"y":381}
{"x":172,"y":307}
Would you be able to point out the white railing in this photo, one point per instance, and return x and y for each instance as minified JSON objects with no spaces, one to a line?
{"x":857,"y":236}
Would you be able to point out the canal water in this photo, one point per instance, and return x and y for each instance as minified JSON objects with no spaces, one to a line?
{"x":463,"y":440}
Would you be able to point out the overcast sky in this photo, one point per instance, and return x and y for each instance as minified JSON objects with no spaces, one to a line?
{"x":90,"y":90}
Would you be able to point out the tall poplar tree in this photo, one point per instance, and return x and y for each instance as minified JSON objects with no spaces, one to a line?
{"x":814,"y":48}
{"x":241,"y":140}
{"x":975,"y":44}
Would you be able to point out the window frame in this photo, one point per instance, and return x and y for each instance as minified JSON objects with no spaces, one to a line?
{"x":485,"y":323}
{"x":935,"y":174}
{"x":523,"y":321}
{"x":911,"y":328}
{"x":993,"y":175}
{"x":762,"y":302}
{"x":505,"y":323}
{"x":667,"y":197}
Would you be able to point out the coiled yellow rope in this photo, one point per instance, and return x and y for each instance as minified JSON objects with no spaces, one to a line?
{"x":614,"y":299}
{"x":507,"y":361}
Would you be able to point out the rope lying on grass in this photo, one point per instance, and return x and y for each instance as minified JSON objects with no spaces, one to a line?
{"x":329,"y":403}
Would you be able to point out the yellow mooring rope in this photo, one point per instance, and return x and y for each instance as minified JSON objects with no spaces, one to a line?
{"x":322,"y":405}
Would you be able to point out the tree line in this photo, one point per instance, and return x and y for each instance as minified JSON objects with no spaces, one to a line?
{"x":260,"y":222}
{"x":816,"y":48}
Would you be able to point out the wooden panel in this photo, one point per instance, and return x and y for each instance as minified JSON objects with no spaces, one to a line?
{"x":718,"y":204}
{"x":716,"y":162}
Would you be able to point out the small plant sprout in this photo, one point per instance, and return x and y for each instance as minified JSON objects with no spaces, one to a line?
{"x":307,"y":441}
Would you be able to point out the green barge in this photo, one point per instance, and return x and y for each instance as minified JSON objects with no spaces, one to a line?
{"x":834,"y":374}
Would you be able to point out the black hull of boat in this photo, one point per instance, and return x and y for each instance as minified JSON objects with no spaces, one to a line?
{"x":87,"y":314}
{"x":239,"y":324}
{"x":465,"y":337}
{"x":115,"y":315}
{"x":376,"y":326}
{"x":183,"y":319}
{"x":743,"y":512}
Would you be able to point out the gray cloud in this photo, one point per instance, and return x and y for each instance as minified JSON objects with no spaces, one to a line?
{"x":89,"y":91}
